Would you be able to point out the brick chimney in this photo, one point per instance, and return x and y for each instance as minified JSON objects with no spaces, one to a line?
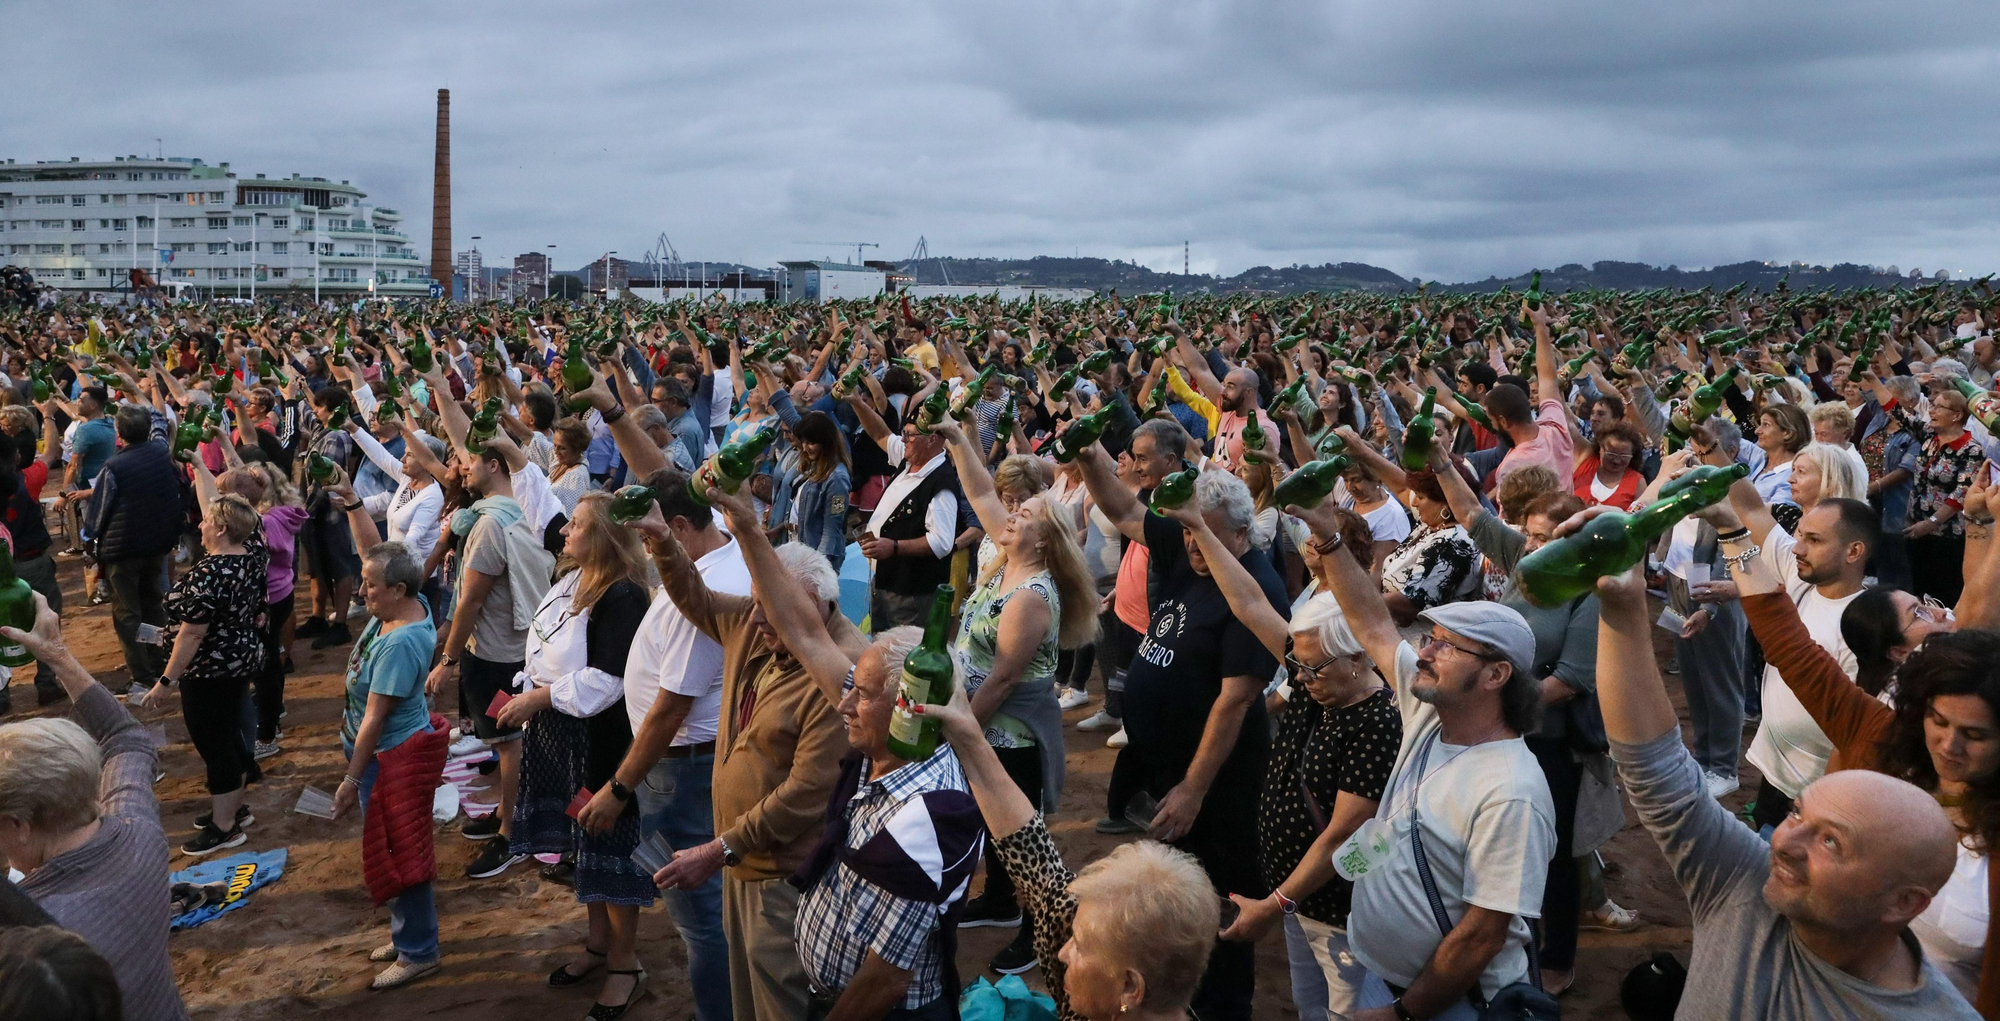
{"x":441,"y":262}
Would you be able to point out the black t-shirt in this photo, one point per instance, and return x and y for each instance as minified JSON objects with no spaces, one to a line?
{"x":1192,"y":641}
{"x":1318,"y":753}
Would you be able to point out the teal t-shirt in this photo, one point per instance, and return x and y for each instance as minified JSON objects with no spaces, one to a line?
{"x":92,"y":445}
{"x":394,"y":665}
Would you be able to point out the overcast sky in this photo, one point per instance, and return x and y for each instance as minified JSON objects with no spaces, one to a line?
{"x":1440,"y":140}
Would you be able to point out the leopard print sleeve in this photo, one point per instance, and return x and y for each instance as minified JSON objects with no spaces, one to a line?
{"x":1041,"y":880}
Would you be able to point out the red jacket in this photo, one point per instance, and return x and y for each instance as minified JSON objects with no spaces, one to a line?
{"x":397,"y":851}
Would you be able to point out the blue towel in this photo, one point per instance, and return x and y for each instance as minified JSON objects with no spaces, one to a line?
{"x":244,"y":873}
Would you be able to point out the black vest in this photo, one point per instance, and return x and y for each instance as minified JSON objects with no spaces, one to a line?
{"x":148,"y":515}
{"x":918,"y":575}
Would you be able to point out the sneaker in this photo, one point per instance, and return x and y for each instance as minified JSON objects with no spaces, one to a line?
{"x":485,"y":828}
{"x":995,"y":914}
{"x":209,"y":839}
{"x":244,"y":820}
{"x":563,"y":872}
{"x":1071,"y":698}
{"x":1118,"y":740}
{"x":492,"y":860}
{"x":1119,"y":826}
{"x":402,"y":973}
{"x":1718,"y":785}
{"x":466,"y":746}
{"x":335,"y":634}
{"x":1100,"y":721}
{"x":1016,"y":957}
{"x":73,"y":551}
{"x":1611,"y":918}
{"x":310,"y":626}
{"x":264,"y":749}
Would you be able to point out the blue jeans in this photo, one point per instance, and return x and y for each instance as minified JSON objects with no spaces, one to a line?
{"x":674,"y":802}
{"x":413,"y":916}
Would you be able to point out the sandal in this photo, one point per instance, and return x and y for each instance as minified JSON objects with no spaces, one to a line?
{"x":563,"y":978}
{"x":614,"y":1011}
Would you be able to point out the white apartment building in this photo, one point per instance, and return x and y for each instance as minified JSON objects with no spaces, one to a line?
{"x":82,"y":226}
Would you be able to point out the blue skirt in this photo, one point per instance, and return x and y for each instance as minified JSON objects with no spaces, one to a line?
{"x":554,"y":765}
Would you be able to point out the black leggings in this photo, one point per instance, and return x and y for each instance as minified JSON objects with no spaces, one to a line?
{"x":1024,"y":767}
{"x":213,"y":710}
{"x":1562,"y":891}
{"x":271,"y":683}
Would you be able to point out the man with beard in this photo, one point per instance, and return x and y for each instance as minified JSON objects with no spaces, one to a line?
{"x":1487,"y":820}
{"x":1237,"y":397}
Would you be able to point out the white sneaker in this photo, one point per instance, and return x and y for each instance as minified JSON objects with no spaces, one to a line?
{"x":1610,"y":917}
{"x":1101,"y":720}
{"x":1718,"y":785}
{"x":1118,"y":740}
{"x":467,"y":745}
{"x":1070,"y":698}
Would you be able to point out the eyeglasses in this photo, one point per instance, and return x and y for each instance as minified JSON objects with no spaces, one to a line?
{"x":1931,"y":611}
{"x":1435,"y":641}
{"x":1304,"y":672}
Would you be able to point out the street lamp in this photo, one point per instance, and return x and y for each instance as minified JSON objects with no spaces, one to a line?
{"x":548,"y":272}
{"x":607,"y":273}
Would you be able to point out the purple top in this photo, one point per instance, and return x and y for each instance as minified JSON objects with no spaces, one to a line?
{"x":281,"y":534}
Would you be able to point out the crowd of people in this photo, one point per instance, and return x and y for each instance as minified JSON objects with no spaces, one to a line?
{"x":1270,"y":549}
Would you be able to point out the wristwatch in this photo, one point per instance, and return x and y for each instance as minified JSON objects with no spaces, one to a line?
{"x":1402,"y":1012}
{"x":620,"y":791}
{"x":730,"y":859}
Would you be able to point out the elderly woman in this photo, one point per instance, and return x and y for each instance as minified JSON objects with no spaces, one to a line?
{"x":568,"y":478}
{"x":1782,"y":431}
{"x":78,"y":816}
{"x":1945,"y":467}
{"x":1890,"y":452}
{"x":1823,"y":471}
{"x":218,"y":646}
{"x":1126,"y":939}
{"x":1606,"y":470}
{"x":1436,"y":563}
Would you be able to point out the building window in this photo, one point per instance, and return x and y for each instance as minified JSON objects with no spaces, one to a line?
{"x":77,"y":200}
{"x":79,"y":249}
{"x":326,"y":248}
{"x":184,"y":246}
{"x":145,"y":222}
{"x":104,"y":249}
{"x":218,"y":248}
{"x":216,"y":198}
{"x":181,"y":221}
{"x":305,"y":223}
{"x":281,"y":248}
{"x":101,"y":271}
{"x":342,"y":274}
{"x":48,"y":249}
{"x":76,"y":274}
{"x":278,"y":273}
{"x":118,"y":224}
{"x":49,"y":224}
{"x":242,"y":221}
{"x":48,"y":200}
{"x":218,"y":223}
{"x":281,"y":221}
{"x":117,"y":200}
{"x":104,"y":225}
{"x":242,"y":246}
{"x":79,"y":224}
{"x":17,"y":249}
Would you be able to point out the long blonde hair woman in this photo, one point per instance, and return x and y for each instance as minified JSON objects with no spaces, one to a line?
{"x":576,"y":653}
{"x":1823,"y":471}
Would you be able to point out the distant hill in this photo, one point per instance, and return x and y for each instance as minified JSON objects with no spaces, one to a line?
{"x":1132,"y":278}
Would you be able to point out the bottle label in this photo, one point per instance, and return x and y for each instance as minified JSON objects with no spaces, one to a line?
{"x":904,"y":725}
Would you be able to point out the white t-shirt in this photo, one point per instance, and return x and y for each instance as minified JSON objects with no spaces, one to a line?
{"x":1389,"y":522}
{"x":670,"y":652}
{"x":1790,"y":749}
{"x":1489,"y":829}
{"x":1953,"y":929}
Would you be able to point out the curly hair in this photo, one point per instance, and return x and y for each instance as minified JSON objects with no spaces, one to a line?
{"x":1959,"y":663}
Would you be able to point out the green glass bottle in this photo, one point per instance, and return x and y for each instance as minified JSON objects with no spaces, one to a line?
{"x":1256,"y":443}
{"x":1575,"y":365}
{"x":933,"y":409}
{"x":1174,"y":490}
{"x":1708,"y":398}
{"x":319,"y":468}
{"x":485,"y":425}
{"x":1003,"y":427}
{"x":337,"y":418}
{"x":1531,"y":301}
{"x":731,"y":466}
{"x":972,"y":394}
{"x":1472,"y":410}
{"x":849,"y":381}
{"x":188,"y":435}
{"x":928,"y":677}
{"x":1330,"y":443}
{"x":1082,"y":433}
{"x":1039,"y":354}
{"x":225,"y":381}
{"x":1673,"y":384}
{"x":1292,"y":397}
{"x":1704,"y":474}
{"x":630,"y":504}
{"x":420,"y":354}
{"x":1612,"y":542}
{"x":1984,"y":405}
{"x":1059,"y":390}
{"x":1313,"y":482}
{"x":1418,"y":434}
{"x":17,"y":610}
{"x":341,"y":341}
{"x":1097,"y":362}
{"x":41,"y":382}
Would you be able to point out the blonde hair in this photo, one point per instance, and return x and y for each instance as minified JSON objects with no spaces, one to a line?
{"x":1520,"y":487}
{"x":1155,"y":913}
{"x":1021,"y":475}
{"x":19,"y":419}
{"x":611,"y":552}
{"x":48,"y":774}
{"x":1835,"y":414}
{"x":1076,"y":589}
{"x":237,"y":516}
{"x":278,"y":490}
{"x":1842,"y":475}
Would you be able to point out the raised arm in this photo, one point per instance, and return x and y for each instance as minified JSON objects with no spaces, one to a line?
{"x":973,"y":478}
{"x":1195,"y":363}
{"x":642,"y":458}
{"x":1360,"y":597}
{"x":1119,"y":504}
{"x":1636,"y":709}
{"x":788,"y":607}
{"x":1246,"y":598}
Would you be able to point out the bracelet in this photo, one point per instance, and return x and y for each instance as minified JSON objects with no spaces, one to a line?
{"x":1328,"y":545}
{"x":1290,"y":906}
{"x":1402,"y":1012}
{"x":611,"y":416}
{"x":1740,"y":560}
{"x":348,"y":778}
{"x":1736,"y":536}
{"x":351,"y":507}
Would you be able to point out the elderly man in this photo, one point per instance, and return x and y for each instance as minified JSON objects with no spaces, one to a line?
{"x":777,"y":749}
{"x":1192,"y":706}
{"x":1814,"y":925}
{"x":914,"y":528}
{"x":1441,"y":919}
{"x":135,"y":517}
{"x":882,"y":890}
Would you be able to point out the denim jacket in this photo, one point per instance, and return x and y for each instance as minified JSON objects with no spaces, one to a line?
{"x":821,"y":511}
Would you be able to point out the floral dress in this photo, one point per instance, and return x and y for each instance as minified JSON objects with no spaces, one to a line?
{"x":979,"y":641}
{"x":1433,"y":566}
{"x":227,"y":594}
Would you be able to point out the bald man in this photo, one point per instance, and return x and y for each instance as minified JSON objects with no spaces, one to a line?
{"x":1815,"y":925}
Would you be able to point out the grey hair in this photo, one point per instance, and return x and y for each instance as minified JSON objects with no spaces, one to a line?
{"x":48,"y":774}
{"x":1521,"y":703}
{"x":1223,"y":492}
{"x":437,"y":446}
{"x":646,"y":416}
{"x":1944,"y":370}
{"x":1167,"y":434}
{"x":896,"y":644}
{"x":399,"y":565}
{"x":810,"y":568}
{"x":1323,"y":618}
{"x":1728,"y":435}
{"x":1905,"y":389}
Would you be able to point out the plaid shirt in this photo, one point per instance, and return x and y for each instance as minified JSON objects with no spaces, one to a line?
{"x":844,"y":916}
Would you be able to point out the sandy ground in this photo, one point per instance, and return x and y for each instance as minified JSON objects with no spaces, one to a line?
{"x":299,"y":948}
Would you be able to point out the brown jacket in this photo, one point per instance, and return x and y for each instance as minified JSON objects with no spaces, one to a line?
{"x":773,"y":773}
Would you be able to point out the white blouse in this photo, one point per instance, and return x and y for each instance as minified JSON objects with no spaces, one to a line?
{"x":559,"y":656}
